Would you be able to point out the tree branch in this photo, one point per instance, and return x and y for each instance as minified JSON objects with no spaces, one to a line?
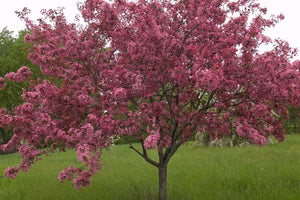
{"x":144,"y":154}
{"x":172,"y":151}
{"x":187,"y":34}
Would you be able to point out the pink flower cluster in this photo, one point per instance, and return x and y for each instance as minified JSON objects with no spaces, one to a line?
{"x":119,"y":93}
{"x":208,"y":79}
{"x":22,"y":74}
{"x":151,"y":141}
{"x":27,"y":108}
{"x":83,"y":152}
{"x":66,"y":174}
{"x":29,"y":154}
{"x":2,"y":83}
{"x":24,"y":109}
{"x":11,"y":172}
{"x":83,"y":178}
{"x":5,"y":119}
{"x":84,"y":99}
{"x":245,"y":130}
{"x":165,"y":142}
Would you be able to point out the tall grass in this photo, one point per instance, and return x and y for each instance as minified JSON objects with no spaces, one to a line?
{"x":270,"y":172}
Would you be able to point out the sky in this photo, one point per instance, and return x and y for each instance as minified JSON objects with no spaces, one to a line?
{"x":288,"y":29}
{"x":9,"y":18}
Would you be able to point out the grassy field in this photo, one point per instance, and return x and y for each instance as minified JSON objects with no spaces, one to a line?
{"x":271,"y":172}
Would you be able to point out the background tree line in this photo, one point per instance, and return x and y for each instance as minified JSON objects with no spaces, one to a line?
{"x":13,"y":55}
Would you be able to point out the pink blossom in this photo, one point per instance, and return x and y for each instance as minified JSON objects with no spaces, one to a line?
{"x":27,"y":38}
{"x":165,"y":142}
{"x":12,"y":143}
{"x":82,"y":152}
{"x":119,"y":93}
{"x":2,"y":83}
{"x":11,"y":172}
{"x":84,"y":99}
{"x":82,"y":180}
{"x":5,"y":119}
{"x":31,"y":96}
{"x":21,"y":75}
{"x":151,"y":141}
{"x":11,"y":76}
{"x":244,"y":130}
{"x":24,"y":72}
{"x":28,"y":151}
{"x":66,"y":174}
{"x":93,"y":119}
{"x":27,"y":108}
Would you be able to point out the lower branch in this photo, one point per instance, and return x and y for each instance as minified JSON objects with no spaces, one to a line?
{"x":144,"y":155}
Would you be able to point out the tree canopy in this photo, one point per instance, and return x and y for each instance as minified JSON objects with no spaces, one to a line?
{"x":159,"y":71}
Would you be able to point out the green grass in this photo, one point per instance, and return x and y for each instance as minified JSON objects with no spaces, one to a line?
{"x":270,"y":172}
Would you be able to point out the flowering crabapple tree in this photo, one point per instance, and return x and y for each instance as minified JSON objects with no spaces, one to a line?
{"x":155,"y":70}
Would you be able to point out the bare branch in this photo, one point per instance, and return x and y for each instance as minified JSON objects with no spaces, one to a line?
{"x":144,"y":154}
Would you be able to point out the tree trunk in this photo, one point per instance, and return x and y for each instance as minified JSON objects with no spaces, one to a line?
{"x":162,"y":170}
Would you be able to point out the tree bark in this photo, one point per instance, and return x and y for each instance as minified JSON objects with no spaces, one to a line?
{"x":162,"y":174}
